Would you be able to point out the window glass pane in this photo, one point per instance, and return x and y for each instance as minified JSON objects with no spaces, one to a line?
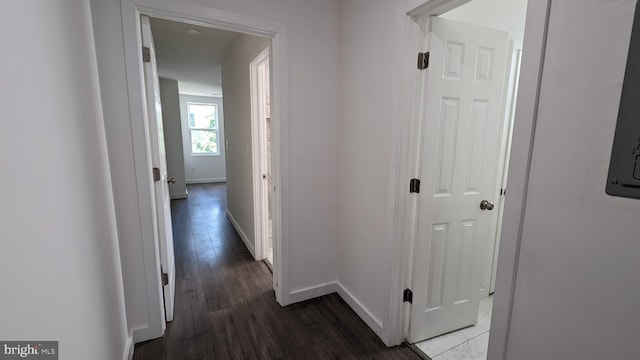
{"x":204,"y":141}
{"x":203,"y":116}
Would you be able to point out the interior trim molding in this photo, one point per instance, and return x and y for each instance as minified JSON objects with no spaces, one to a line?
{"x":147,"y":332}
{"x":205,"y":181}
{"x":182,"y":195}
{"x":356,"y":305}
{"x":128,"y":349}
{"x":365,"y":314}
{"x":243,"y":236}
{"x":312,"y":292}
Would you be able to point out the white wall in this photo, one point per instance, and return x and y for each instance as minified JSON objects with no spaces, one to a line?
{"x":59,"y":264}
{"x":577,"y":289}
{"x":371,"y":30}
{"x":313,"y":60}
{"x":313,"y":29}
{"x":203,"y":168}
{"x":115,"y":102}
{"x":171,"y":120}
{"x":505,"y":15}
{"x":237,"y":105}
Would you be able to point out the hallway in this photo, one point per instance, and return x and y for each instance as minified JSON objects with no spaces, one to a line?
{"x":225,"y":307}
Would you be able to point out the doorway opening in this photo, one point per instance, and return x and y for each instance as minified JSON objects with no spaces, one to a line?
{"x":467,"y":114}
{"x":209,"y":134}
{"x":209,"y":68}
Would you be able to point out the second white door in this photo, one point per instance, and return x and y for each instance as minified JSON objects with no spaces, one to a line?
{"x":462,"y":128}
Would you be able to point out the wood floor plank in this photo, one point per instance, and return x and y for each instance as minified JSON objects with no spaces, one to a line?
{"x":225,"y":306}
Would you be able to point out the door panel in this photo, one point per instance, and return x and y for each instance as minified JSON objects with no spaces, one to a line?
{"x":270,"y":182}
{"x":159,"y":160}
{"x":462,"y":117}
{"x":262,"y":83}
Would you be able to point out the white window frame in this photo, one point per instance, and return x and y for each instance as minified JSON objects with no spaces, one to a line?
{"x":216,"y":129}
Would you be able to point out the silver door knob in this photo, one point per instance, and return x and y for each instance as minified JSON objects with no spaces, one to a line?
{"x":171,"y":180}
{"x":486,"y":205}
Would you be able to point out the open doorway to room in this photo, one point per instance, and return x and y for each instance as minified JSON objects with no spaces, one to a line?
{"x":468,"y":105}
{"x":205,"y":161}
{"x":209,"y":68}
{"x":136,"y":57}
{"x":189,"y":62}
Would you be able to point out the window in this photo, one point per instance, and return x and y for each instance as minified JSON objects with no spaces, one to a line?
{"x":203,"y":128}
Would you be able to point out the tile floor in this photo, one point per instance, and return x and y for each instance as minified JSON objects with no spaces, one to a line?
{"x":467,"y":344}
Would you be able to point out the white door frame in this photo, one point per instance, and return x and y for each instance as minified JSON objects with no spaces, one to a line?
{"x":410,"y":132}
{"x":205,"y":16}
{"x":511,"y":90}
{"x":258,"y":137}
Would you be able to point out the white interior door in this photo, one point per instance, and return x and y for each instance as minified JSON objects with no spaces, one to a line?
{"x":261,"y":139}
{"x":159,"y":161}
{"x":463,"y":111}
{"x":263,"y":70}
{"x":269,"y":186}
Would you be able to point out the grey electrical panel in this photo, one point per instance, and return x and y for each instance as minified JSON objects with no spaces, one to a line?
{"x":624,"y":168}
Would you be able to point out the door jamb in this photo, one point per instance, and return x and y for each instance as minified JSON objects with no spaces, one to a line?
{"x":215,"y":18}
{"x":511,"y":88}
{"x":260,"y":207}
{"x":410,"y":133}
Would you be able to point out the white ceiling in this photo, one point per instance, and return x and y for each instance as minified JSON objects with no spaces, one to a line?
{"x":193,"y":60}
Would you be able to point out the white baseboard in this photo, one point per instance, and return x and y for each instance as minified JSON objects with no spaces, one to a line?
{"x":243,"y":236}
{"x":128,"y":349}
{"x":374,"y":323}
{"x":146,"y":333}
{"x":312,"y":292}
{"x":205,"y":181}
{"x":325,"y":289}
{"x":178,"y":196}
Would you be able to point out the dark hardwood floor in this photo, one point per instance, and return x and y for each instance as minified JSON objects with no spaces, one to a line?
{"x":225,"y":305}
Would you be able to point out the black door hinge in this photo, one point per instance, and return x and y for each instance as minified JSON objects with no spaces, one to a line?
{"x":156,"y":174}
{"x":165,"y":279}
{"x":146,"y":54}
{"x":407,"y":296}
{"x":423,"y":60}
{"x":414,"y":186}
